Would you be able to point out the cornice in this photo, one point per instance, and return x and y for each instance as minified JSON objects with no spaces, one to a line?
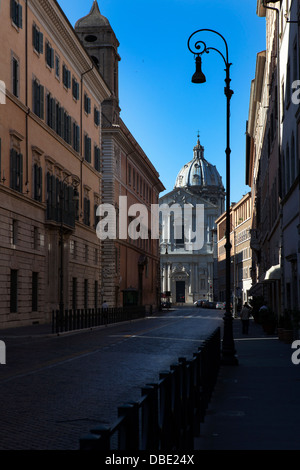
{"x":67,"y":39}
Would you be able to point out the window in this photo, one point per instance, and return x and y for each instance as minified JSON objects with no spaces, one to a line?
{"x":37,"y":182}
{"x":16,"y":13}
{"x":53,"y":203}
{"x":15,"y":76}
{"x":87,"y":148}
{"x":34,"y":291}
{"x":73,"y":248}
{"x":51,"y":111}
{"x":87,"y":104}
{"x":67,"y":128}
{"x":96,"y":116}
{"x":74,"y":293}
{"x":13,"y":290}
{"x":49,"y":55}
{"x":58,"y":118}
{"x":66,"y":77}
{"x":16,"y":170}
{"x":86,"y":212}
{"x":97,"y":158}
{"x":75,"y":89}
{"x":57,"y":66}
{"x":86,"y":293}
{"x":76,"y":137}
{"x":96,"y":294}
{"x":129,"y":174}
{"x":37,"y":39}
{"x":38,"y":99}
{"x":96,"y":217}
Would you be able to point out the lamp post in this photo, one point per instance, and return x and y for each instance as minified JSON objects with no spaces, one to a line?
{"x":199,"y":48}
{"x":75,"y":183}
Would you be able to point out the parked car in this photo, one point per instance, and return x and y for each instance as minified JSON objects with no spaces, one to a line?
{"x":220,"y":305}
{"x":212,"y":304}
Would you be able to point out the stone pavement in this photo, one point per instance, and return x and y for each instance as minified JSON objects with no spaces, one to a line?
{"x":255,"y":405}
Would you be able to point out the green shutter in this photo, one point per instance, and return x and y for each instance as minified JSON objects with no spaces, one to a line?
{"x":42,"y":102}
{"x":20,"y":158}
{"x":20,"y":18}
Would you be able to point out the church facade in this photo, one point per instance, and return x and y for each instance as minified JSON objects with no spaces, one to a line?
{"x":189,"y":265}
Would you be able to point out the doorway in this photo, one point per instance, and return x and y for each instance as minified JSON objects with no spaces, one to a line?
{"x":180,"y":291}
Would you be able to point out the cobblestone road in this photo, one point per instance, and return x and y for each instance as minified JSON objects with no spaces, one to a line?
{"x":54,"y":389}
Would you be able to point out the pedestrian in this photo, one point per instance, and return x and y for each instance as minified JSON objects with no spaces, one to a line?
{"x":105,"y":304}
{"x":245,"y":315}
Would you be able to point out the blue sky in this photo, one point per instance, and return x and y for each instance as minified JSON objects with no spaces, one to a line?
{"x":161,"y":107}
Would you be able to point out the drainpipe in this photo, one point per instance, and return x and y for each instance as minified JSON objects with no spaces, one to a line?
{"x":81,"y":132}
{"x":26,"y":91}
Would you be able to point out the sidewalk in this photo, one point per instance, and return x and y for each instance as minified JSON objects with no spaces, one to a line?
{"x":255,"y":405}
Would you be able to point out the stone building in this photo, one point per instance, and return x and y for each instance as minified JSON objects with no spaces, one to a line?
{"x":130,"y":269}
{"x":57,"y":166}
{"x":188,"y":272}
{"x":241,"y":253}
{"x":50,"y":136}
{"x":272,"y":159}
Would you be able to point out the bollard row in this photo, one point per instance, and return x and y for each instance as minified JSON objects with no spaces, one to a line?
{"x":168,"y":415}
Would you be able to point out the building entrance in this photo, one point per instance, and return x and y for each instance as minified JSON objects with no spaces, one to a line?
{"x":180,"y":291}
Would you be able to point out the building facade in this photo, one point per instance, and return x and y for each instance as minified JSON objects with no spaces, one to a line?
{"x":272,"y":160}
{"x":50,"y":131}
{"x":57,"y":166}
{"x":241,"y":253}
{"x":188,"y":272}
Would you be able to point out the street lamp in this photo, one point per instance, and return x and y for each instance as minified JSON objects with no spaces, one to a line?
{"x":198,"y":48}
{"x":75,"y":183}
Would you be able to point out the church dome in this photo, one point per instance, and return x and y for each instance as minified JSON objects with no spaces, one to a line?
{"x":198,"y":172}
{"x":94,"y":19}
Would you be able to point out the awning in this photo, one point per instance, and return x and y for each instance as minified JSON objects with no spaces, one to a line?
{"x":256,"y":289}
{"x":273,"y":274}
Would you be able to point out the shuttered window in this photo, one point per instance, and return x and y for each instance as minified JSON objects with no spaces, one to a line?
{"x":16,"y":170}
{"x":37,"y":182}
{"x":38,"y":99}
{"x":16,"y":13}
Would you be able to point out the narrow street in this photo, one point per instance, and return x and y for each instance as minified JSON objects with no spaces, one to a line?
{"x":54,"y":388}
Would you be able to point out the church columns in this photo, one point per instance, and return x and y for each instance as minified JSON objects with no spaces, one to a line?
{"x":166,"y":273}
{"x":169,"y":277}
